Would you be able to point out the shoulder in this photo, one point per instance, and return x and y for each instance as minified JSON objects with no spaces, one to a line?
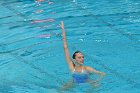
{"x":72,"y":67}
{"x":89,"y":69}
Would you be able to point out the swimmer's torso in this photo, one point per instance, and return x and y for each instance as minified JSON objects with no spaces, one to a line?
{"x":80,"y":77}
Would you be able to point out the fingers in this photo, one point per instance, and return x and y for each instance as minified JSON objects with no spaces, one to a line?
{"x":61,"y":24}
{"x":103,"y":74}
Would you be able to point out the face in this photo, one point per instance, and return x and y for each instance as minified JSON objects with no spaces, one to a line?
{"x":79,"y":58}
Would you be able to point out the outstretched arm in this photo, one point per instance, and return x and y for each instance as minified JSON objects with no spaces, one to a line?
{"x":92,"y":70}
{"x":67,"y":55}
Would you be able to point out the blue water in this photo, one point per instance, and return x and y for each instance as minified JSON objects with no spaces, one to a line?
{"x":31,"y":49}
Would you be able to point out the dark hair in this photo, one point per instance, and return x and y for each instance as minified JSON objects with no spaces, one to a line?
{"x":75,"y":54}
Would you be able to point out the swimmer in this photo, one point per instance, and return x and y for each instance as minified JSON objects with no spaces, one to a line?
{"x":80,"y":73}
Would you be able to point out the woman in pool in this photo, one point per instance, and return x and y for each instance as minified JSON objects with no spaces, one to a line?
{"x":80,"y":73}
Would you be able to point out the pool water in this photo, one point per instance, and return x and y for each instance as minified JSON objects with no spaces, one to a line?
{"x":31,"y":49}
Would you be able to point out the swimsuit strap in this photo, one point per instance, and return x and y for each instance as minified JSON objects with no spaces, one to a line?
{"x":81,"y":71}
{"x":73,"y":70}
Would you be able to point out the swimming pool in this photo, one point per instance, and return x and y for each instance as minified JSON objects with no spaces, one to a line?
{"x":106,"y":32}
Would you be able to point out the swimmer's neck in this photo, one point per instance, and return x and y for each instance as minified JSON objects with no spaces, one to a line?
{"x":78,"y":66}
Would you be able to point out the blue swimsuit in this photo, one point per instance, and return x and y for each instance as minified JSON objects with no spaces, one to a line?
{"x":80,"y":77}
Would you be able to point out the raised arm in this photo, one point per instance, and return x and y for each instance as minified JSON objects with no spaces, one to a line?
{"x":67,"y":55}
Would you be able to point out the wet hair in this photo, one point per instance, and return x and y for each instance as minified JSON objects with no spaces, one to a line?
{"x":75,"y":54}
